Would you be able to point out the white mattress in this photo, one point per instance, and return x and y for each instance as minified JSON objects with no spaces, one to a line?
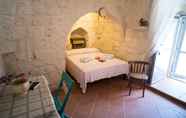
{"x":94,"y":70}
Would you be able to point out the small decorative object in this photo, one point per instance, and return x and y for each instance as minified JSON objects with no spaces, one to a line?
{"x":20,"y":85}
{"x":33,"y":85}
{"x":6,"y":79}
{"x":143,"y":22}
{"x":102,"y":12}
{"x":101,"y":60}
{"x":180,"y":14}
{"x":97,"y":57}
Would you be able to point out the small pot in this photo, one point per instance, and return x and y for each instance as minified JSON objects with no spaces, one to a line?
{"x":20,"y":89}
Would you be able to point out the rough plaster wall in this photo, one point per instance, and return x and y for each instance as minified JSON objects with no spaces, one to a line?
{"x":7,"y":42}
{"x":88,"y":22}
{"x":103,"y":33}
{"x":2,"y":71}
{"x":40,"y":28}
{"x":109,"y":33}
{"x":133,"y":45}
{"x":125,"y":39}
{"x":7,"y":11}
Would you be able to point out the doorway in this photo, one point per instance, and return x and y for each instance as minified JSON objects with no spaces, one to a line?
{"x":177,"y":62}
{"x":169,"y":73}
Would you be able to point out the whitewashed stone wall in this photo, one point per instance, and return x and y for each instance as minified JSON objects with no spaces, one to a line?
{"x":122,"y":35}
{"x":2,"y":70}
{"x":7,"y":11}
{"x":40,"y":28}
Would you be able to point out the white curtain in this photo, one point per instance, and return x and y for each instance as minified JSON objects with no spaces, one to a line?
{"x":163,"y":11}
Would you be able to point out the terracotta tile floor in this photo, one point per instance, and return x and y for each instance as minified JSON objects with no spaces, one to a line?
{"x":109,"y":99}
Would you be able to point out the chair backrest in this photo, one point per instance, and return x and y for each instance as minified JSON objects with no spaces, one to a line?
{"x":138,"y":66}
{"x":65,"y":83}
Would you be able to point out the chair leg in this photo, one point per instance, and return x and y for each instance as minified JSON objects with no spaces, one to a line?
{"x":130,"y":90}
{"x":130,"y":86}
{"x":143,"y":88}
{"x":129,"y":81}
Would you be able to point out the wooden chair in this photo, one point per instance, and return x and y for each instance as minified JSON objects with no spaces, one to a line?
{"x":65,"y":83}
{"x":138,"y":71}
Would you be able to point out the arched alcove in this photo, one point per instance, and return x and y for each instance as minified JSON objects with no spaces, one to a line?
{"x":78,"y":39}
{"x":102,"y":31}
{"x":79,"y":32}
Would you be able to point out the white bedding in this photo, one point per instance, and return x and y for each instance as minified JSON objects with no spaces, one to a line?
{"x":92,"y":70}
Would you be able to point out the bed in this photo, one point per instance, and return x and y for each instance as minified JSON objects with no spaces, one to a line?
{"x":87,"y":65}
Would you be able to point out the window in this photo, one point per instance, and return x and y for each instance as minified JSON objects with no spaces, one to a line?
{"x":178,"y":62}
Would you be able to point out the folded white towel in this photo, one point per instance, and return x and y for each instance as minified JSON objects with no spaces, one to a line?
{"x":85,"y":59}
{"x":108,"y":56}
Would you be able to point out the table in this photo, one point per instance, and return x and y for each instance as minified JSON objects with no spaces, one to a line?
{"x":36,"y":104}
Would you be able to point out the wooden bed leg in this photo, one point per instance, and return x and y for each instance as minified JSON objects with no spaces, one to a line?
{"x":83,"y":91}
{"x":84,"y":88}
{"x":124,"y":76}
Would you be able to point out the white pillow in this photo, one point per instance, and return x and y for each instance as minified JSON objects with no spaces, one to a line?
{"x":81,"y":51}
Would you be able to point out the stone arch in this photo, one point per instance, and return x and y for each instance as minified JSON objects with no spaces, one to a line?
{"x":90,"y":21}
{"x":112,"y":13}
{"x":79,"y":31}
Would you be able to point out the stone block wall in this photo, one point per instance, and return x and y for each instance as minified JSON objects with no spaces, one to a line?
{"x":2,"y":70}
{"x":87,"y":22}
{"x":38,"y":29}
{"x":122,"y":36}
{"x":7,"y":11}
